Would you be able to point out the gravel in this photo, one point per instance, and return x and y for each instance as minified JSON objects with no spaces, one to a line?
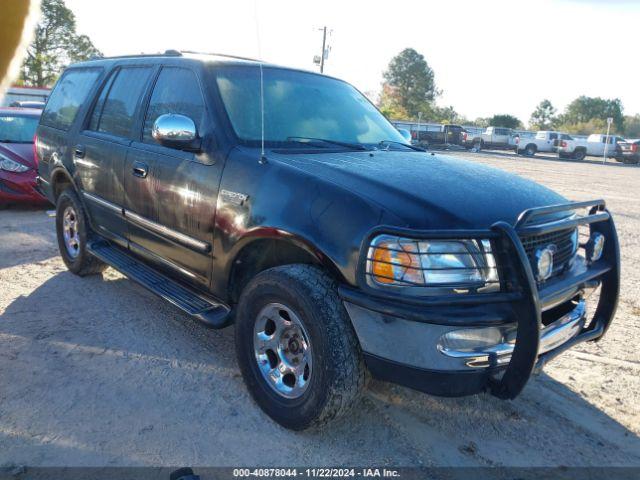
{"x":97,"y":371}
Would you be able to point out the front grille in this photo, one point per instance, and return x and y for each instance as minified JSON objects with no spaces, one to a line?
{"x":562,"y":239}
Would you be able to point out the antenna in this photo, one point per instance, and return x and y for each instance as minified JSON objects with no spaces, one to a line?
{"x":263,"y":159}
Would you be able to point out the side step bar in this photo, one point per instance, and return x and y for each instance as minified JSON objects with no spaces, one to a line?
{"x":207,"y":310}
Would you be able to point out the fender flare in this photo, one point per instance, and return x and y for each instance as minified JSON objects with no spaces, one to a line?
{"x":279,"y":234}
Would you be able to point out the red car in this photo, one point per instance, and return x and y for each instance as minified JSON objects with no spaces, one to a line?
{"x":18,"y":168}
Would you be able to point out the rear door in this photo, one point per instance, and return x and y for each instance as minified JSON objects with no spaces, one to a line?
{"x":55,"y":133}
{"x":101,"y":148}
{"x":171,"y":194}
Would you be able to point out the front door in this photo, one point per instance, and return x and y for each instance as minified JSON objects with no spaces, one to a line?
{"x":170,"y":194}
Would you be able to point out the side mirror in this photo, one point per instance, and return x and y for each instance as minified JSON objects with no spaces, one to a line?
{"x":176,"y":131}
{"x":405,"y":134}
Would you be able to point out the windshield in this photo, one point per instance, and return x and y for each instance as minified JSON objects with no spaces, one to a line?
{"x":17,"y":129}
{"x":300,"y":105}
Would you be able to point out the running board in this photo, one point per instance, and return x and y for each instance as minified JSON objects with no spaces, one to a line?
{"x":207,"y":310}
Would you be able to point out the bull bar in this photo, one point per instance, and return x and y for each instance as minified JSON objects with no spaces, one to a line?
{"x":519,"y":287}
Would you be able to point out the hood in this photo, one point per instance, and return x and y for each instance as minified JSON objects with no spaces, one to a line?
{"x":428,"y":191}
{"x":21,"y":152}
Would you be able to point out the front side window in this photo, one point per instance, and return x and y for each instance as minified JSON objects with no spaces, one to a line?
{"x":299,"y":104}
{"x":118,"y":106}
{"x":67,"y":97}
{"x":176,"y":91}
{"x":17,"y":129}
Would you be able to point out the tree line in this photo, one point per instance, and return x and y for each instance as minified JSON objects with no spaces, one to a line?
{"x":409,"y":92}
{"x":55,"y":45}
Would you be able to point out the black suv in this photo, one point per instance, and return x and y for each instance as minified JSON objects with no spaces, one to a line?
{"x":284,"y":202}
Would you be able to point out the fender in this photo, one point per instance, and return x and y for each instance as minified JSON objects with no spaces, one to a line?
{"x":59,"y":169}
{"x":300,"y":242}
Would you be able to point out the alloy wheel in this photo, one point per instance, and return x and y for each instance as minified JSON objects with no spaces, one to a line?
{"x":70,"y":231}
{"x":282,"y":350}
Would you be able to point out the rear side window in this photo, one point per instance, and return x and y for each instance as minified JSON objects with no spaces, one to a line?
{"x":68,"y":96}
{"x":114,"y":112}
{"x":176,"y":91}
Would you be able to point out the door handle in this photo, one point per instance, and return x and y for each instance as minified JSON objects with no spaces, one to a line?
{"x":79,"y":151}
{"x":140,"y":169}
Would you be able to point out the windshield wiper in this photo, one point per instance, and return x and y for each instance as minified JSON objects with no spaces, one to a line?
{"x":393,"y":142}
{"x":308,"y":140}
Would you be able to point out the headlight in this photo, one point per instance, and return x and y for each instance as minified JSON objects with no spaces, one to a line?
{"x":11,"y":165}
{"x":404,"y":262}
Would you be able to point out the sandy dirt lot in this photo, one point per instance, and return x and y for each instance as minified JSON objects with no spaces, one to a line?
{"x":99,"y":372}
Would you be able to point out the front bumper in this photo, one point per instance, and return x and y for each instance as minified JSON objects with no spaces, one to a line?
{"x":400,"y":337}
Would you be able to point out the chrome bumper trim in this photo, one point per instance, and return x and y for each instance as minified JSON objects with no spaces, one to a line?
{"x":551,"y":336}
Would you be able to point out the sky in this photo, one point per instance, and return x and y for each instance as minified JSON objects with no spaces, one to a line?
{"x":489,"y":56}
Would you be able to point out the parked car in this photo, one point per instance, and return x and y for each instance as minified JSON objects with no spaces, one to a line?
{"x":497,"y":138}
{"x":28,"y":104}
{"x":594,"y":145}
{"x":24,"y":94}
{"x":428,"y":135}
{"x":17,"y":163}
{"x":542,"y":141}
{"x":333,"y":245}
{"x":629,"y":151}
{"x":561,"y":137}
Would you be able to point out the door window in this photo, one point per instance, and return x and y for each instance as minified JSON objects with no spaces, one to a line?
{"x":115,"y":110}
{"x":176,"y":91}
{"x":70,"y":93}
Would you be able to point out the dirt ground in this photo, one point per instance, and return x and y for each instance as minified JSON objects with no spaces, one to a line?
{"x":98,"y":372}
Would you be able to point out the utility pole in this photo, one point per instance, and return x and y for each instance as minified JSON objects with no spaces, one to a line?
{"x":324,"y":45}
{"x":606,"y":139}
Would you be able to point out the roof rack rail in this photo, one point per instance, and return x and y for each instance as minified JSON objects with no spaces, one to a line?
{"x":166,"y":53}
{"x":226,"y":55}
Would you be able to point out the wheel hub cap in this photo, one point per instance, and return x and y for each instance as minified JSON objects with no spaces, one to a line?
{"x":70,"y":232}
{"x":282,"y":350}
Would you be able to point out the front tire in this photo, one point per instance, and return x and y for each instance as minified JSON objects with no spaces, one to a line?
{"x":296,"y":347}
{"x":72,"y":230}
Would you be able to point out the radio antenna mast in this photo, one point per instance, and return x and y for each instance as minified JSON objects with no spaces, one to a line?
{"x":263,"y":159}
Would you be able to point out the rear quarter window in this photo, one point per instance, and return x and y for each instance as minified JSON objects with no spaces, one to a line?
{"x":67,"y":97}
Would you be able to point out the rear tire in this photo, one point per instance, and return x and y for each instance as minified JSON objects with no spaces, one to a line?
{"x":72,"y":230}
{"x":302,"y":303}
{"x":530,"y":150}
{"x":579,"y":155}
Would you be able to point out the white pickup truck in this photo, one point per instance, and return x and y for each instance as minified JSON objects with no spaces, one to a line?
{"x":542,"y":141}
{"x":594,"y":145}
{"x":493,"y":137}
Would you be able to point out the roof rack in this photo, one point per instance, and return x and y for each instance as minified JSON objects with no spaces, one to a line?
{"x":166,"y":53}
{"x":177,"y":53}
{"x":225,"y":55}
